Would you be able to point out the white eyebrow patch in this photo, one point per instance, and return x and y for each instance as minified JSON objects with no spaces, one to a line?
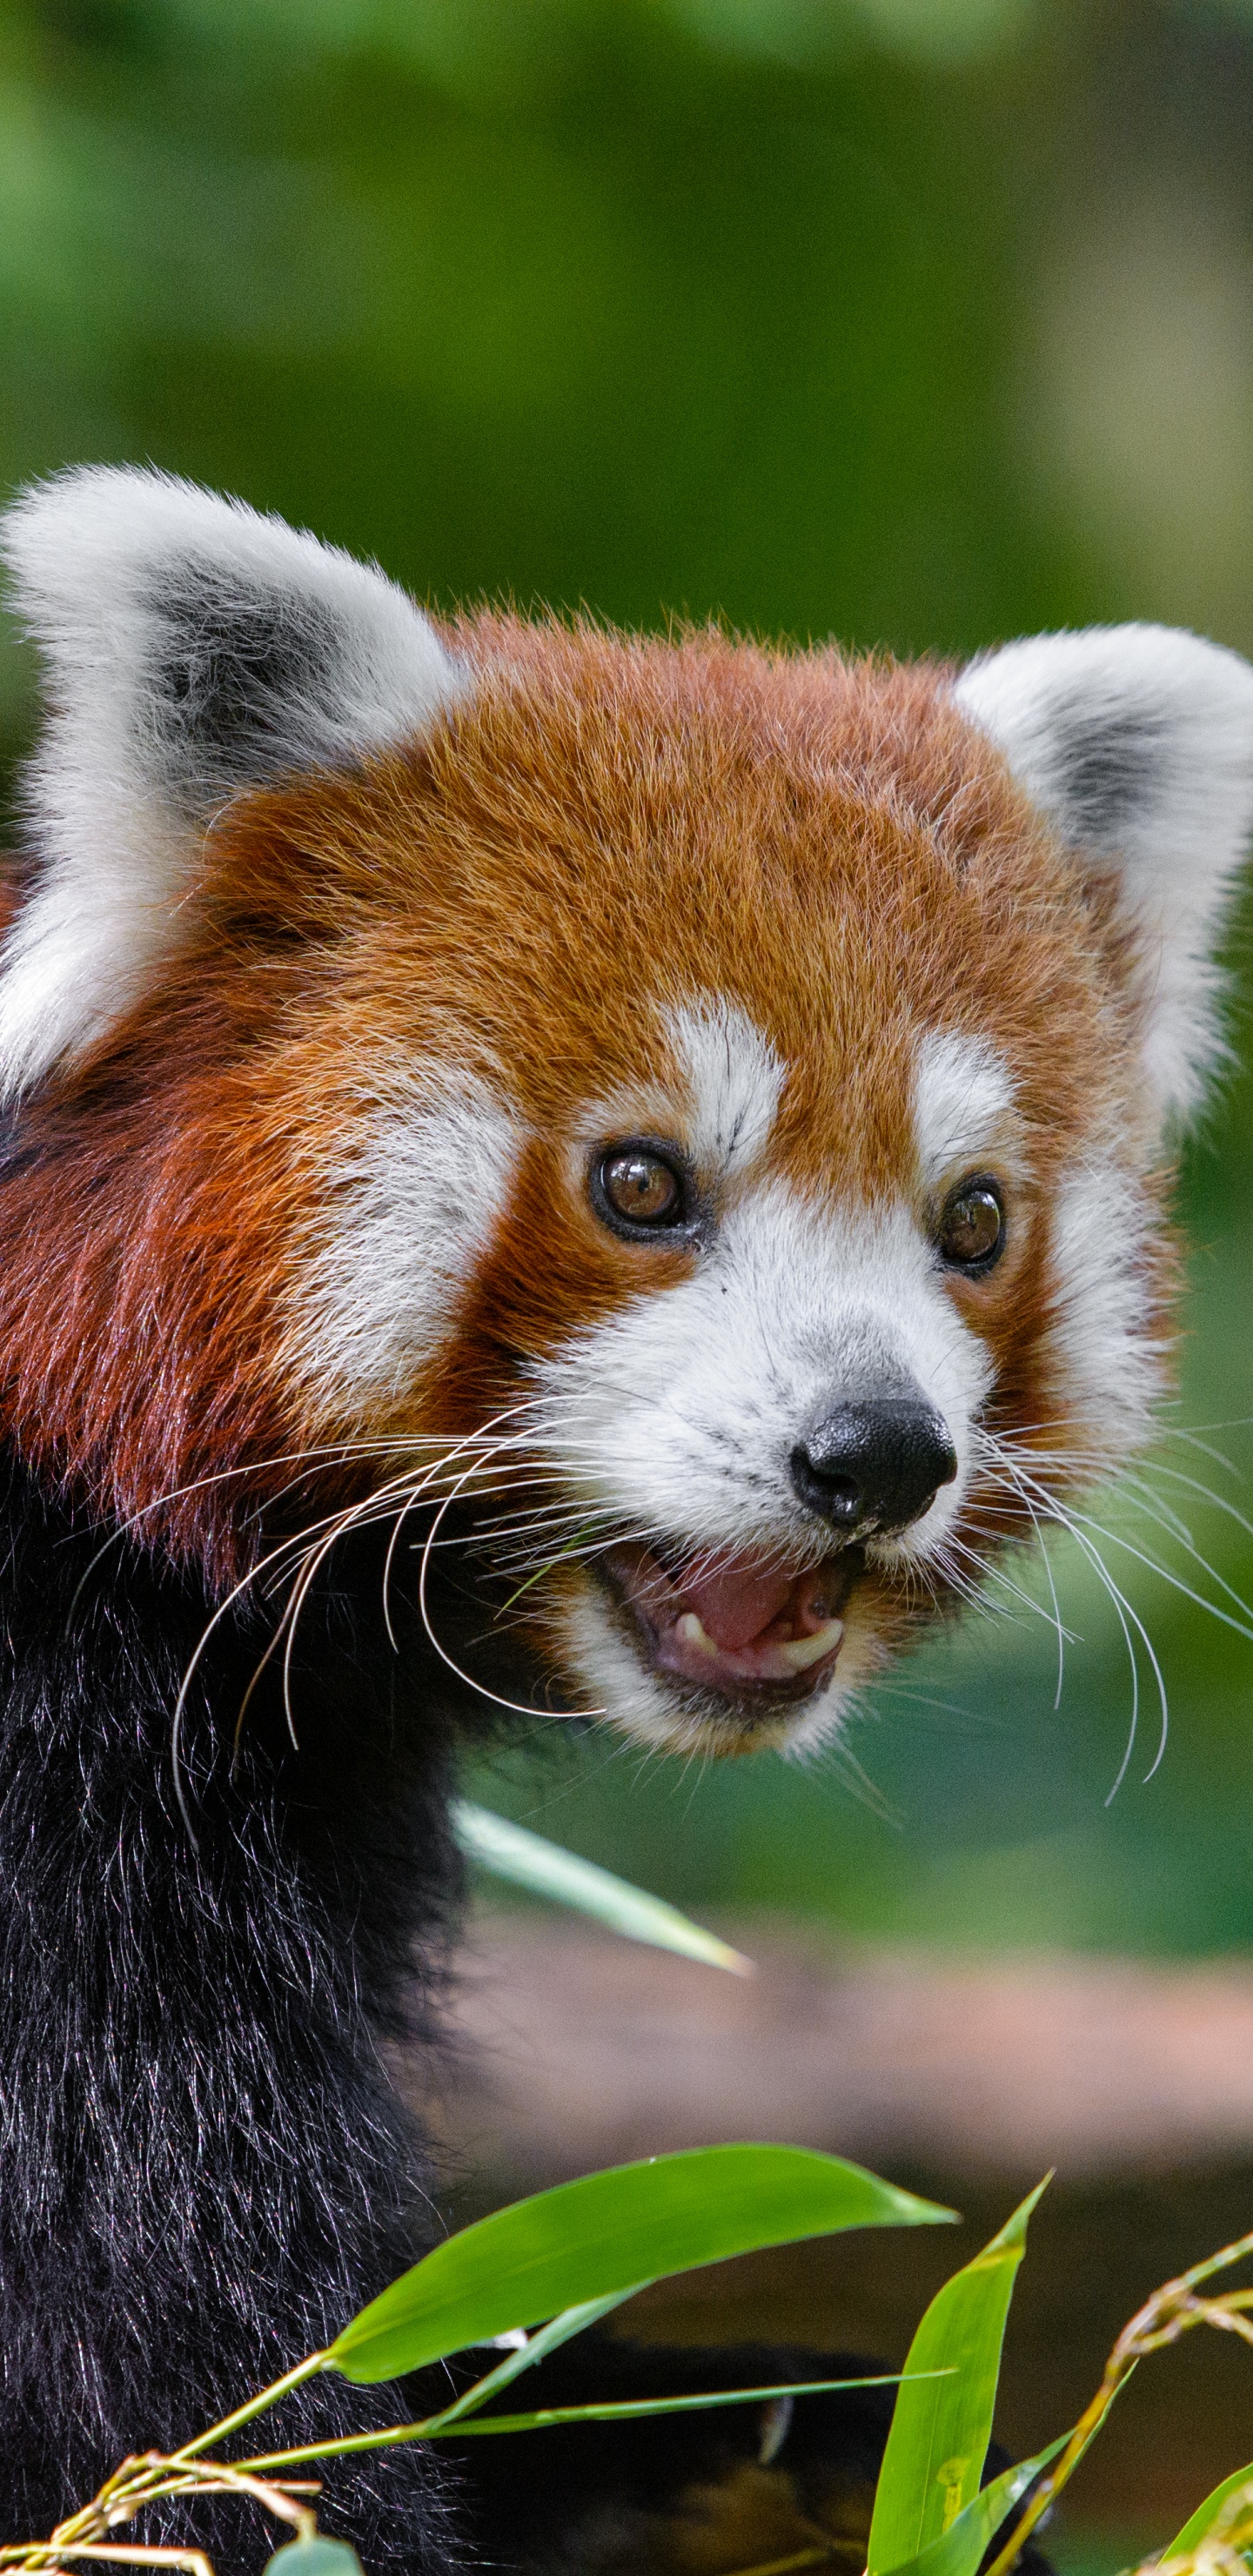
{"x":734,"y":1077}
{"x":963,"y":1092}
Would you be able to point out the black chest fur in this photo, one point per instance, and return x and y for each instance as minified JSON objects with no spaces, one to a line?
{"x":203,"y":2171}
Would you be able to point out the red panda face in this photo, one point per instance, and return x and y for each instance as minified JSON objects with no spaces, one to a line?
{"x":696,"y":1111}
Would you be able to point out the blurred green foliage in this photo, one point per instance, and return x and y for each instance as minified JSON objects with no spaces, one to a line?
{"x":916,"y":321}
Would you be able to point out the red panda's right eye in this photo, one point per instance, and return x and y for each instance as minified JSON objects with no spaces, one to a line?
{"x":640,"y":1189}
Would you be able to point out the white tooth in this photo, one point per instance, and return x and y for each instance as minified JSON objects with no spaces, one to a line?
{"x":690,"y":1628}
{"x":799,"y":1652}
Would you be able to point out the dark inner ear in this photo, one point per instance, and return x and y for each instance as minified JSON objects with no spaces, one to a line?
{"x":243,"y":683}
{"x":1106,"y":770}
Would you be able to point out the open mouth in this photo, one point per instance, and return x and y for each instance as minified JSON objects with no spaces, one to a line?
{"x":719,"y":1620}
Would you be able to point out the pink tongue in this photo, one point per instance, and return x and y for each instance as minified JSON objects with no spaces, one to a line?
{"x":734,"y":1601}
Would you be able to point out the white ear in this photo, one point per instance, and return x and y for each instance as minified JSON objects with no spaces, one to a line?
{"x":1137,"y":742}
{"x":193,"y":649}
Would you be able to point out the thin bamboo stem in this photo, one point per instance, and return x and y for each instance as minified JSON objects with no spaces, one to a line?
{"x":258,"y":2405}
{"x":1166,"y":2316}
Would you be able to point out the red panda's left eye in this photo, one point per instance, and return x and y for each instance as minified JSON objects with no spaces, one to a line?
{"x":972,"y":1228}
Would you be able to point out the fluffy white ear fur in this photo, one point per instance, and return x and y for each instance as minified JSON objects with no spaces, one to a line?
{"x":1137,"y":741}
{"x":193,"y":649}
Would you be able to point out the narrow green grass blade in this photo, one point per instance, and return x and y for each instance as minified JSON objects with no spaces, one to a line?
{"x":940,"y":2432}
{"x":959,"y":2550}
{"x":1199,"y":2524}
{"x":608,"y":2232}
{"x":616,"y":2408}
{"x":572,"y":2321}
{"x":512,"y":1852}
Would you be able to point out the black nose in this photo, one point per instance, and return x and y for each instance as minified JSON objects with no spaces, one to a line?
{"x":874,"y":1465}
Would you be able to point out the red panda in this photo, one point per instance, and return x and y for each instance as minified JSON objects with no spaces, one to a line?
{"x":542,"y":1168}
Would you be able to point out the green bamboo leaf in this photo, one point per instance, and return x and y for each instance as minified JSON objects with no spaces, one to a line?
{"x":615,"y":2408}
{"x":958,"y":2551}
{"x":608,"y":2232}
{"x":572,"y":2321}
{"x":317,"y":2556}
{"x":1199,"y":2524}
{"x":940,"y":2432}
{"x":512,"y":1852}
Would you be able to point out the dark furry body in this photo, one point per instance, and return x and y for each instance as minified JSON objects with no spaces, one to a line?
{"x":687,"y":2495}
{"x":203,"y":2169}
{"x":203,"y":2172}
{"x":680,"y":2495}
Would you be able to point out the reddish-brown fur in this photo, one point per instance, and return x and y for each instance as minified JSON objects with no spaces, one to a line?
{"x":607,"y":826}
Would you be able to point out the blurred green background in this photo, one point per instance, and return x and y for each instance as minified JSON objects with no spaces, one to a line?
{"x":920,"y":322}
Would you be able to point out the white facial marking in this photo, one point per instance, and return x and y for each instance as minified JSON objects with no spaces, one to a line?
{"x":963,"y":1095}
{"x":677,"y":1417}
{"x":735,"y":1079}
{"x":1137,"y":742}
{"x":403,"y":1217}
{"x":1109,"y":1366}
{"x":194,"y":649}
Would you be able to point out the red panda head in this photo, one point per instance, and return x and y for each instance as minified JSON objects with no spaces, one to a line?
{"x":700,"y":1110}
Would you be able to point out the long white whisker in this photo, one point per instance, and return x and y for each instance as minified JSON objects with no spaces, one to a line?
{"x":991,"y":1572}
{"x":517,"y":1706}
{"x":1075,"y":1523}
{"x":1206,"y":1493}
{"x":1165,"y":1573}
{"x":309,"y":1547}
{"x":508,"y":1415}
